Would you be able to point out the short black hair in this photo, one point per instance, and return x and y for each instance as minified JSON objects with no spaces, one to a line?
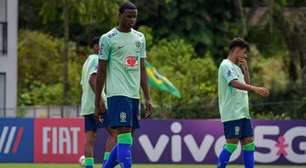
{"x":239,"y":42}
{"x":127,"y":5}
{"x":95,"y":40}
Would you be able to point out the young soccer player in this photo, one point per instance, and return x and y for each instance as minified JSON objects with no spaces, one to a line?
{"x":122,"y":71}
{"x":233,"y":87}
{"x":88,"y":82}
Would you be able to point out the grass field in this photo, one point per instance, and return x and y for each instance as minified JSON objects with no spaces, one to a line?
{"x":22,"y":165}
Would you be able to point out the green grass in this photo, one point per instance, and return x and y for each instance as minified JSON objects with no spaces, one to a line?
{"x":23,"y":165}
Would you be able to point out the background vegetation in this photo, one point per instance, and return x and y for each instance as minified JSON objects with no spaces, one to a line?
{"x":186,"y":41}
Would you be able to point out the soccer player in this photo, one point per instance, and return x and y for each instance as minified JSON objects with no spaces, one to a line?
{"x":233,"y":87}
{"x":88,"y":82}
{"x":122,"y":71}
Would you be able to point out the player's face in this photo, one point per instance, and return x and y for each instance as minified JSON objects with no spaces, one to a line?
{"x":128,"y":18}
{"x":240,"y":53}
{"x":243,"y":53}
{"x":96,"y":48}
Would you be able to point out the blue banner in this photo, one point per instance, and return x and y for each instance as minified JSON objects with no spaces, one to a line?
{"x":16,"y":140}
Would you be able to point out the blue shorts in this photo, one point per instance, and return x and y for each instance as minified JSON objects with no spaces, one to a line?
{"x":241,"y":128}
{"x":91,"y":124}
{"x":122,"y":112}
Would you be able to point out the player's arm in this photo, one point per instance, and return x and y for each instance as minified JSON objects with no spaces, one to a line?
{"x":241,"y":86}
{"x":245,"y":70}
{"x":101,"y":73}
{"x":232,"y":79}
{"x":99,"y":83}
{"x":144,"y":80}
{"x":145,"y":88}
{"x":93,"y":81}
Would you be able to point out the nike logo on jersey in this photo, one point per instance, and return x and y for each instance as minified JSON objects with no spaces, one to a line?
{"x":120,"y":47}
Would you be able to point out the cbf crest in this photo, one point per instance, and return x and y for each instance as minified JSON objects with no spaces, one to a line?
{"x":237,"y":130}
{"x":138,"y":44}
{"x":122,"y":117}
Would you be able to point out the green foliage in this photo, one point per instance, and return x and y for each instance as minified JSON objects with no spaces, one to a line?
{"x":262,"y":75}
{"x":87,"y":17}
{"x":205,"y":24}
{"x":75,"y":68}
{"x":194,"y":77}
{"x":147,"y":31}
{"x":272,"y":116}
{"x":40,"y":70}
{"x":41,"y":94}
{"x":186,"y":41}
{"x":80,"y":11}
{"x":38,"y":56}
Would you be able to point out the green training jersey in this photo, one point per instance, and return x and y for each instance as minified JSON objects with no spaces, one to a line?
{"x":123,"y":52}
{"x":88,"y":95}
{"x":233,"y":103}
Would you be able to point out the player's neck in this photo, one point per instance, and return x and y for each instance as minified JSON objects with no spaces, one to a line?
{"x":232,"y":59}
{"x":96,"y":51}
{"x":123,"y":29}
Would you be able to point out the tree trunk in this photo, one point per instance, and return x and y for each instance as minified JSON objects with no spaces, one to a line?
{"x":255,"y":5}
{"x":291,"y":42}
{"x":303,"y":61}
{"x":293,"y":52}
{"x":240,"y":13}
{"x":66,"y":53}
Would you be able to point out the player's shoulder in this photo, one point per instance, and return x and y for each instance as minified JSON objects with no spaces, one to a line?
{"x":225,"y":63}
{"x":138,"y":33}
{"x":110,"y":34}
{"x":92,"y":58}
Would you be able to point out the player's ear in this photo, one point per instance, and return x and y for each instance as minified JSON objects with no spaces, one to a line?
{"x":232,"y":51}
{"x":119,"y":16}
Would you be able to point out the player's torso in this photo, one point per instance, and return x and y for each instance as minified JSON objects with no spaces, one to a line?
{"x":125,"y":51}
{"x":123,"y":76}
{"x":88,"y":96}
{"x":233,"y":102}
{"x":237,"y":93}
{"x":224,"y":87}
{"x":87,"y":105}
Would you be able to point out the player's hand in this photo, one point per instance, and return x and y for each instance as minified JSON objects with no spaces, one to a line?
{"x":262,"y":91}
{"x":243,"y":62}
{"x":149,"y":109}
{"x":100,"y":110}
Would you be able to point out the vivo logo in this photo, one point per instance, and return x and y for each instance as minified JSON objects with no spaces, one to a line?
{"x":10,"y":138}
{"x":176,"y":141}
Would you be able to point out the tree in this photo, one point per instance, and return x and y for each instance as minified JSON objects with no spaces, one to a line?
{"x":81,"y":11}
{"x":207,"y":25}
{"x":284,"y":29}
{"x":194,"y":77}
{"x":39,"y":61}
{"x":180,"y":34}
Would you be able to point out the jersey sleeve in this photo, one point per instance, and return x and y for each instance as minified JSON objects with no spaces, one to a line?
{"x":228,"y":73}
{"x":104,"y":48}
{"x":83,"y":73}
{"x":81,"y":81}
{"x":143,"y":53}
{"x":93,"y":67}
